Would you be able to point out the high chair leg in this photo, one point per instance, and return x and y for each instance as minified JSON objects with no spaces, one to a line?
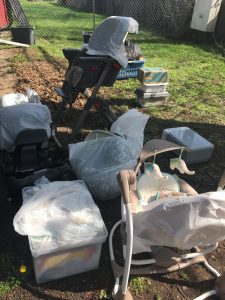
{"x":122,"y":293}
{"x":206,"y":295}
{"x":129,"y":246}
{"x":115,"y":267}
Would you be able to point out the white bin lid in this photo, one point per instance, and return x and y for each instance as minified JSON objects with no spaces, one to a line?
{"x":189,"y":138}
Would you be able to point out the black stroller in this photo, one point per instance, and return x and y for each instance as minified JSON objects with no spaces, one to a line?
{"x":96,"y":65}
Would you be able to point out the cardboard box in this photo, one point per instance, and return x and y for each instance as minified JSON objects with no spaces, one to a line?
{"x":152,"y":75}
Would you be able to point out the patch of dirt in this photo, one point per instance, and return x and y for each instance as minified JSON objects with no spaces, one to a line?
{"x":43,"y":76}
{"x":8,"y":77}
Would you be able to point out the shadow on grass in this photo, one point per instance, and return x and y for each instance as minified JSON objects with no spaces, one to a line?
{"x":55,"y":62}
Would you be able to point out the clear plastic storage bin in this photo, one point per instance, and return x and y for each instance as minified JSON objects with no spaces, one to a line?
{"x":199,"y":148}
{"x":62,"y":262}
{"x":154,"y":88}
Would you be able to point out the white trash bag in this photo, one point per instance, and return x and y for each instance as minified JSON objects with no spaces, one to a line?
{"x":131,"y":125}
{"x":63,"y":211}
{"x":33,"y":96}
{"x":17,"y":98}
{"x":13,"y":99}
{"x":15,"y":118}
{"x":97,"y":161}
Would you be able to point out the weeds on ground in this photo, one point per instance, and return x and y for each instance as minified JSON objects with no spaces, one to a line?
{"x":19,"y":58}
{"x":11,"y":274}
{"x":139,"y":285}
{"x":103,"y":294}
{"x":184,"y":275}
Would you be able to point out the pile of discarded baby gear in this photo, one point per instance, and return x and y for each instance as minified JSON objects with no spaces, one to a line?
{"x":60,"y":250}
{"x":62,"y":221}
{"x":149,"y":202}
{"x":153,"y":197}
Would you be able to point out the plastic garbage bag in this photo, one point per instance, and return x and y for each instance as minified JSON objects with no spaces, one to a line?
{"x":12,"y":99}
{"x":98,"y":161}
{"x":64,"y":211}
{"x":131,"y":125}
{"x":33,"y":96}
{"x":17,"y":98}
{"x":14,"y":119}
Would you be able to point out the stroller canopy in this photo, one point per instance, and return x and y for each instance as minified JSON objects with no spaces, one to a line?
{"x":183,"y":222}
{"x":108,"y":38}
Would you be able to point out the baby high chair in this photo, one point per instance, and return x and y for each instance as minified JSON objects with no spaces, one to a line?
{"x":96,"y":65}
{"x":160,"y":217}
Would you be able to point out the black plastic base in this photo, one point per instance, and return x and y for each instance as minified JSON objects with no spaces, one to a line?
{"x":24,"y":35}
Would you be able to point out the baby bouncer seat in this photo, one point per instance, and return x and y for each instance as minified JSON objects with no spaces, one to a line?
{"x":96,"y":65}
{"x":164,"y":218}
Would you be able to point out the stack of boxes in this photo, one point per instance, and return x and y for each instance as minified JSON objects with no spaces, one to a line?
{"x":153,"y":90}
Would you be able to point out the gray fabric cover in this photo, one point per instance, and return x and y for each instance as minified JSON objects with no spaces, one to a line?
{"x":14,"y":119}
{"x":108,"y":38}
{"x":97,"y":162}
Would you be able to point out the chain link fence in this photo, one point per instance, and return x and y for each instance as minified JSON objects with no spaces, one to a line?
{"x":168,"y":17}
{"x":171,"y":17}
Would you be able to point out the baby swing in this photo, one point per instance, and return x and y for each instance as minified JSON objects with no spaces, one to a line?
{"x":96,"y":65}
{"x":161,"y":212}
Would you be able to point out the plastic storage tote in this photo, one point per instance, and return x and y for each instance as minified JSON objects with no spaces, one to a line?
{"x":154,"y":88}
{"x":152,"y":75}
{"x":131,"y":71}
{"x":200,"y":149}
{"x":23,"y":35}
{"x":150,"y":99}
{"x":64,"y":262}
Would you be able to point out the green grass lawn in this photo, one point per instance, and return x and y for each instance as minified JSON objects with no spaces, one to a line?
{"x":196,"y":71}
{"x":57,"y":26}
{"x":197,"y":78}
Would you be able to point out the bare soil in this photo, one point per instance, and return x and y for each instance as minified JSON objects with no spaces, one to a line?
{"x":8,"y":77}
{"x":43,"y":76}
